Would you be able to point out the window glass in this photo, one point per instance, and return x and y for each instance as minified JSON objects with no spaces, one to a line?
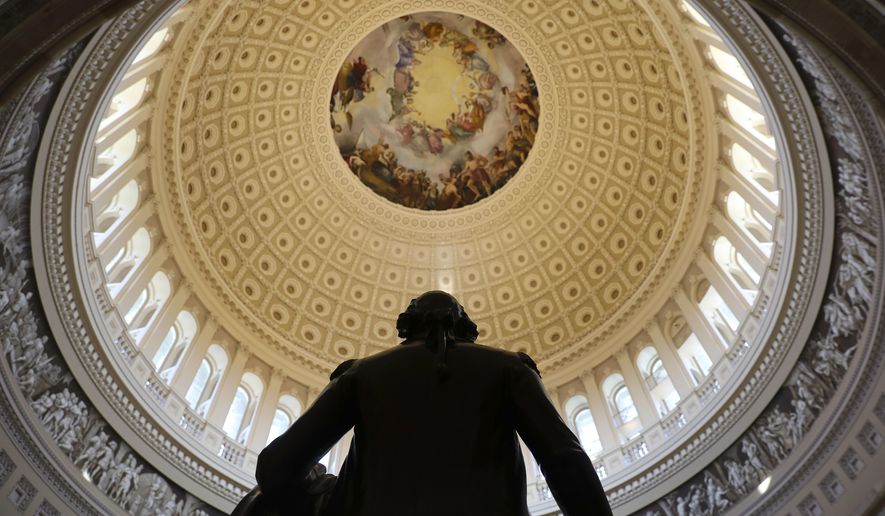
{"x":136,"y":306}
{"x":237,"y":411}
{"x":165,"y":347}
{"x":658,"y":372}
{"x":624,"y":405}
{"x":587,"y":433}
{"x":154,"y":43}
{"x":199,"y":384}
{"x":279,"y":425}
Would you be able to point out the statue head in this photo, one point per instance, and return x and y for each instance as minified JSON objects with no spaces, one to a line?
{"x":432,"y":309}
{"x":440,"y":319}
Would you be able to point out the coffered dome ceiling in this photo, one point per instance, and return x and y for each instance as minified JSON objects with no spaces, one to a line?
{"x":291,"y":250}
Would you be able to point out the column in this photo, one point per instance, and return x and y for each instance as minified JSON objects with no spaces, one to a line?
{"x":142,"y":70}
{"x":758,"y":148}
{"x":102,"y":194}
{"x":152,"y":338}
{"x":109,"y":134}
{"x":710,"y":341}
{"x":670,"y":358}
{"x":265,"y":412}
{"x":740,"y":241}
{"x":729,"y":292}
{"x":602,"y":416}
{"x":648,"y":413}
{"x":708,"y":36}
{"x":138,"y":278}
{"x":193,"y":356}
{"x":121,"y":231}
{"x":738,"y":90}
{"x":735,"y":181}
{"x":225,"y":392}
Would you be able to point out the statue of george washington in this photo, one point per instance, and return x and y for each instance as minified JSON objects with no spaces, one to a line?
{"x":435,"y":425}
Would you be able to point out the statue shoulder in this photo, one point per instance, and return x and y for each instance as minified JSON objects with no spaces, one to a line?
{"x":342,"y":368}
{"x":528,"y":362}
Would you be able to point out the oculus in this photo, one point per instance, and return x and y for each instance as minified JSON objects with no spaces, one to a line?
{"x":434,"y":111}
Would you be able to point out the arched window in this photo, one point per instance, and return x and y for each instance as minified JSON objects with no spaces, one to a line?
{"x":624,"y":405}
{"x":736,"y":267}
{"x":718,"y":314}
{"x":158,"y":291}
{"x":288,"y":410}
{"x":234,"y":420}
{"x":120,"y":205}
{"x":657,"y":371}
{"x":749,"y":119}
{"x":202,"y":389}
{"x":171,"y":349}
{"x":694,"y":14}
{"x":165,"y":347}
{"x":749,"y":221}
{"x":729,"y":65}
{"x":587,"y":434}
{"x":238,"y":423}
{"x":128,"y":258}
{"x":154,"y":44}
{"x":621,"y":404}
{"x":114,"y":155}
{"x":198,"y":385}
{"x":279,"y":425}
{"x":124,"y":101}
{"x":752,"y":169}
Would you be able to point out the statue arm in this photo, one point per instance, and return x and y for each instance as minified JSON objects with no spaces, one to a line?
{"x":569,"y":472}
{"x":286,"y":462}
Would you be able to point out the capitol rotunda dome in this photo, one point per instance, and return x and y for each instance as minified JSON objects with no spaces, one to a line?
{"x":631,"y":192}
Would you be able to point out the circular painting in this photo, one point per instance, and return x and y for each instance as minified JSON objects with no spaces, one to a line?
{"x":434,"y":111}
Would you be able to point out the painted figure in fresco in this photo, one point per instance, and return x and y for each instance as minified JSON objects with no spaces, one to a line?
{"x":488,"y":34}
{"x":351,"y":85}
{"x":450,"y":197}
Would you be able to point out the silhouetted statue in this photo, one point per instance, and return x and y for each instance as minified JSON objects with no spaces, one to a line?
{"x":435,"y":432}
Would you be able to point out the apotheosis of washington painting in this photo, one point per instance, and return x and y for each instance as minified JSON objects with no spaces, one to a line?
{"x":434,"y":111}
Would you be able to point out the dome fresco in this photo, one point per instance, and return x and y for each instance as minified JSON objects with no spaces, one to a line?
{"x":434,"y":110}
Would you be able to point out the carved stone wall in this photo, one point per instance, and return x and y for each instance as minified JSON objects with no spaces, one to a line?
{"x":46,"y":417}
{"x":840,"y":368}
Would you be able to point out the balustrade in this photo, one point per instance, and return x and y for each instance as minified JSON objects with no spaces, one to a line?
{"x":232,"y":452}
{"x":192,"y":423}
